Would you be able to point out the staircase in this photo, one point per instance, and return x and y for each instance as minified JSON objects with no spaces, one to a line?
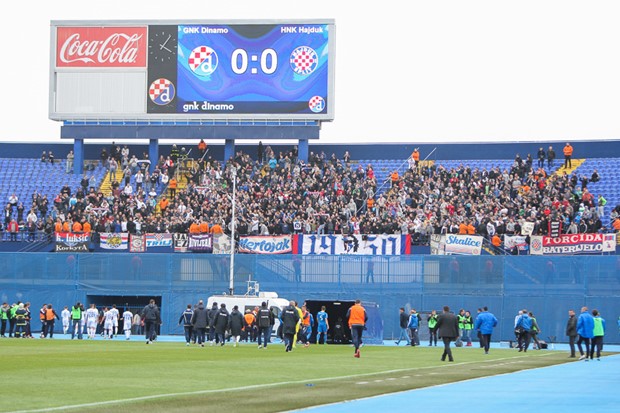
{"x":106,"y":183}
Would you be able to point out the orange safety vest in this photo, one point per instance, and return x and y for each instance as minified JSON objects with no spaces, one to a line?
{"x":65,"y":226}
{"x":163,"y":204}
{"x":58,"y":227}
{"x":204,"y":227}
{"x":172,"y":184}
{"x":49,"y":314}
{"x":217,"y":229}
{"x":86,"y":227}
{"x":415,"y":155}
{"x":357,"y":315}
{"x":568,"y":150}
{"x":496,"y":240}
{"x":306,"y":319}
{"x":77,"y":227}
{"x":249,"y":318}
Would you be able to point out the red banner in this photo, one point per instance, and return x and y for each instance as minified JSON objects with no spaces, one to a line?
{"x":101,"y":46}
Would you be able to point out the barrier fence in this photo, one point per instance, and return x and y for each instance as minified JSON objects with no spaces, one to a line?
{"x":547,"y":286}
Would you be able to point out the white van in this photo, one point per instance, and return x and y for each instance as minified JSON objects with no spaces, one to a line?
{"x":249,"y":302}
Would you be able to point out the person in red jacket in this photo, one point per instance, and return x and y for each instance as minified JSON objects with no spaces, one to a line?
{"x":13,"y":229}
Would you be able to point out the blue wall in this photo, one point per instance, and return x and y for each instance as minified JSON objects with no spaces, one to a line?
{"x":548,"y":286}
{"x":454,"y":151}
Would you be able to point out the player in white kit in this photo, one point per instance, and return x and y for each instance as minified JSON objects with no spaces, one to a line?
{"x":108,"y":323}
{"x":92,"y":317}
{"x":115,"y":314}
{"x":66,"y":316}
{"x":127,"y":317}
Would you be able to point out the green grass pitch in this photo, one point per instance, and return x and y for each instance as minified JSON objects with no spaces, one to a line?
{"x":120,"y":376}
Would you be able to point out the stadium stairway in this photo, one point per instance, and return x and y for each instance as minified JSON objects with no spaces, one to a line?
{"x":106,"y":186}
{"x":575,"y":163}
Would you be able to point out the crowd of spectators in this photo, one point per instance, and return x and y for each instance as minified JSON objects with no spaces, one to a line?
{"x":279,"y":194}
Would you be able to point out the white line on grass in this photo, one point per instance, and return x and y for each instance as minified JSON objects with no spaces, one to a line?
{"x":428,"y":387}
{"x":250,"y":387}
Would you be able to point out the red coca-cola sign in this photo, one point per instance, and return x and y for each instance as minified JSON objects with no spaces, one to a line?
{"x":101,"y":46}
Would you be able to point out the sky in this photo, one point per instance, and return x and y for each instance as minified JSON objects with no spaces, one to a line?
{"x":408,"y":71}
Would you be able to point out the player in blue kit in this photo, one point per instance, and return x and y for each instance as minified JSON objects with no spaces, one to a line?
{"x":323,"y":325}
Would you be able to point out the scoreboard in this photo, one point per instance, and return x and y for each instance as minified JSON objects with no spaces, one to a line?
{"x":192,"y":70}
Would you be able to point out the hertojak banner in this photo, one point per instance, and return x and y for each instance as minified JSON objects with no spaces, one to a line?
{"x":573,"y":244}
{"x":266,"y":244}
{"x":71,"y":242}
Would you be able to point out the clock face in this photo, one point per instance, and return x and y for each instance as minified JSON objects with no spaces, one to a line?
{"x":162,"y":46}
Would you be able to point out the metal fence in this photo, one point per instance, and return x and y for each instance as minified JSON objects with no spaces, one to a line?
{"x":547,"y":286}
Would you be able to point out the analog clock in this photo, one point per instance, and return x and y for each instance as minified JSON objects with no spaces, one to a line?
{"x":162,"y":46}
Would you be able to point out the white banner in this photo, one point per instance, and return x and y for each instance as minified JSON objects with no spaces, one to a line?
{"x":463,"y":244}
{"x":221,"y":244}
{"x":114,"y":241}
{"x":351,"y":244}
{"x":527,"y":228}
{"x":567,"y":244}
{"x":265,"y":244}
{"x":438,"y":244}
{"x":519,"y":241}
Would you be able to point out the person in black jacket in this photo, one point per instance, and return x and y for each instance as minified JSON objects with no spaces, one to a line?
{"x":403,"y":321}
{"x":290,"y":319}
{"x":571,"y":332}
{"x":200,"y":321}
{"x":212,"y":313}
{"x":236,"y":325}
{"x":448,"y":331}
{"x":186,"y":319}
{"x":221,"y":323}
{"x":265,"y":321}
{"x":151,"y":316}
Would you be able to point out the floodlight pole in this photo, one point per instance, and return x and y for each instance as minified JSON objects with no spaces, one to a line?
{"x":231,"y":285}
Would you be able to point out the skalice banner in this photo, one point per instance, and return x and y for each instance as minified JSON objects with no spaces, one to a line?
{"x":71,"y":242}
{"x":573,"y":244}
{"x":463,"y":244}
{"x":265,"y":244}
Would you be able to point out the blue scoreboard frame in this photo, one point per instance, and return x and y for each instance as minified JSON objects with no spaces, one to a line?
{"x":246,"y":70}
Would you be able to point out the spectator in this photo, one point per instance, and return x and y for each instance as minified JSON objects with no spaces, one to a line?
{"x":550,"y":157}
{"x":541,"y":157}
{"x":568,"y":154}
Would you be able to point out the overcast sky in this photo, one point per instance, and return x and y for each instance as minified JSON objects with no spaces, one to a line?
{"x":406,"y":71}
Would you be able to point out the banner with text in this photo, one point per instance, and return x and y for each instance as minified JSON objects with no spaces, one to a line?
{"x":159,"y":242}
{"x":265,"y":244}
{"x":200,"y":243}
{"x":137,"y":243}
{"x":352,"y":244}
{"x":462,"y":244}
{"x":519,"y":241}
{"x":71,"y":242}
{"x":573,"y":244}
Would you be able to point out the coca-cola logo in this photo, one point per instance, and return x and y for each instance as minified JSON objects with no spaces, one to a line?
{"x":118,"y":48}
{"x":101,"y":47}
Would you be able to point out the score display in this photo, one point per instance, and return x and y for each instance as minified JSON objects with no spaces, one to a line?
{"x":242,"y":70}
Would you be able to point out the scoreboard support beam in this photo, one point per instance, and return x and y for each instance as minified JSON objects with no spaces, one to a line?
{"x":78,"y":156}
